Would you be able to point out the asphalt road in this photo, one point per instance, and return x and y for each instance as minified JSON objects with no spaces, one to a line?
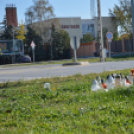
{"x":40,"y":71}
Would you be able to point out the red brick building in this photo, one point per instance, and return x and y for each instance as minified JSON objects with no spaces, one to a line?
{"x":11,"y":15}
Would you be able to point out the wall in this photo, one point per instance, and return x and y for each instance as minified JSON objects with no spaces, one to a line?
{"x":88,"y":25}
{"x":106,"y":22}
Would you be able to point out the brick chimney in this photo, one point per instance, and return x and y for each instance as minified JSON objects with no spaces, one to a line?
{"x":11,"y":15}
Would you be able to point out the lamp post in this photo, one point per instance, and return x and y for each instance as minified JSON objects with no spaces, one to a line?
{"x":100,"y":30}
{"x":13,"y":46}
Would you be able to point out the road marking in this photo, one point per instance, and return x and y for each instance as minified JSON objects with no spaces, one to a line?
{"x":14,"y":72}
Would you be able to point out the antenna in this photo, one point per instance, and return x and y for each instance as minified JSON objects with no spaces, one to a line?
{"x":92,"y":8}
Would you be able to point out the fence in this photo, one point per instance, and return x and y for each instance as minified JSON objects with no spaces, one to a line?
{"x":128,"y":45}
{"x":85,"y":50}
{"x":116,"y":46}
{"x":88,"y":49}
{"x":124,"y":45}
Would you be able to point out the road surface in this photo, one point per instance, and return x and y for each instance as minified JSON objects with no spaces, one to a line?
{"x":41,"y":71}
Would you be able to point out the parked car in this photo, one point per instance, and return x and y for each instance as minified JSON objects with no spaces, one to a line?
{"x":97,"y":53}
{"x":24,"y":59}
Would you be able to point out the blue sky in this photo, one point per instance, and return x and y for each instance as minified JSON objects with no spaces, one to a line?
{"x":62,"y":8}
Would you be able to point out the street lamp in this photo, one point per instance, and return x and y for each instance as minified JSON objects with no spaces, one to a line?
{"x":100,"y":30}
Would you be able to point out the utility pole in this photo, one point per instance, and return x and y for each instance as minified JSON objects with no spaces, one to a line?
{"x":13,"y":56}
{"x":75,"y":48}
{"x":132,"y":6}
{"x":13,"y":46}
{"x":100,"y":30}
{"x":51,"y":48}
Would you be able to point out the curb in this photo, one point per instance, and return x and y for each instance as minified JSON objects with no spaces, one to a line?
{"x":77,"y":63}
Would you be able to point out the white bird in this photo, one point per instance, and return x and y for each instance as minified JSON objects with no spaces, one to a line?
{"x":98,"y":79}
{"x":110,"y":82}
{"x":95,"y":86}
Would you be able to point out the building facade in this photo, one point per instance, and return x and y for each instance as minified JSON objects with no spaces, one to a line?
{"x":75,"y":26}
{"x":88,"y":26}
{"x":80,"y":26}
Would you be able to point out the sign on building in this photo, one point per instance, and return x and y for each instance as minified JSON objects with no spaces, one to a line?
{"x":72,"y":26}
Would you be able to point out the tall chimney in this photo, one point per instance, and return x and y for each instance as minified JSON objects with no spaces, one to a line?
{"x":11,"y":15}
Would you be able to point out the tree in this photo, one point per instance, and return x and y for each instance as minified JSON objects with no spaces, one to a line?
{"x":65,"y":39}
{"x":121,"y":16}
{"x":7,"y":31}
{"x":21,"y":31}
{"x":126,"y":36}
{"x":41,"y":16}
{"x":115,"y":36}
{"x":4,"y":24}
{"x":104,"y":30}
{"x":31,"y":35}
{"x":87,"y":38}
{"x":60,"y":44}
{"x":29,"y":15}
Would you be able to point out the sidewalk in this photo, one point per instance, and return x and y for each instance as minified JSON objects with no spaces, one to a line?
{"x":36,"y":63}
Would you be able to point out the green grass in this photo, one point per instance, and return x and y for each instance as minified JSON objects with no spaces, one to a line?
{"x":91,"y":60}
{"x":27,"y":108}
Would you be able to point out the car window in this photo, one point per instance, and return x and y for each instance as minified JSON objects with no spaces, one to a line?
{"x":26,"y":55}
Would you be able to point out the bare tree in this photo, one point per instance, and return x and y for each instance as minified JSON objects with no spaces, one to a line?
{"x":40,"y":16}
{"x":29,"y":16}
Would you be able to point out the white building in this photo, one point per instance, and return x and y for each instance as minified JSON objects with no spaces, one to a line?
{"x":78,"y":26}
{"x":88,"y":25}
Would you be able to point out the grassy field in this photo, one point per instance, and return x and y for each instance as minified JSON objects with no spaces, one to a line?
{"x":90,"y":60}
{"x":69,"y":108}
